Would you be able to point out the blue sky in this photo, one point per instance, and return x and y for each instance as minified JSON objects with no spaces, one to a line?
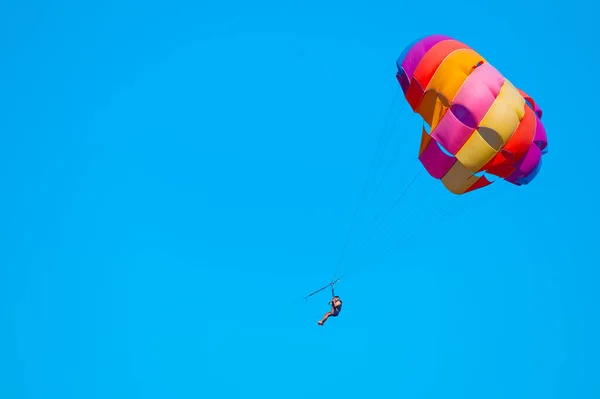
{"x":175,"y":178}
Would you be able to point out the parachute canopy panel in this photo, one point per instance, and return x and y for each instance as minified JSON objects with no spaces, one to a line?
{"x":478,"y":120}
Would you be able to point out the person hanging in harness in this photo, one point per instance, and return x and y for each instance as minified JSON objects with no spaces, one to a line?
{"x":336,"y":308}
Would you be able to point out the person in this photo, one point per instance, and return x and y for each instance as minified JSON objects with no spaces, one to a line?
{"x":336,"y":308}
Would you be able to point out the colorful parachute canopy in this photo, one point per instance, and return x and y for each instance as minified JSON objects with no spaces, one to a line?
{"x":479,"y":123}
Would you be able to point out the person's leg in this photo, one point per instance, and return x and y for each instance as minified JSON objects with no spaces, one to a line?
{"x":324,"y":319}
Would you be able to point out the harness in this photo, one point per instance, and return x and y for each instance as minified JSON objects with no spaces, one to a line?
{"x":338,"y":308}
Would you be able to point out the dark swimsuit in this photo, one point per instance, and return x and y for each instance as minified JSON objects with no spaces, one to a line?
{"x":337,"y":310}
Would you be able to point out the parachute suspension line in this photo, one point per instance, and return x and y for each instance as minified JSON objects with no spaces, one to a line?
{"x":391,"y":161}
{"x":376,"y":162}
{"x":464,"y":203}
{"x":378,"y":215}
{"x":409,"y":235}
{"x":438,"y":212}
{"x":440,"y":219}
{"x":385,"y":172}
{"x":372,"y":235}
{"x":409,"y":211}
{"x":398,"y":186}
{"x":441,"y":211}
{"x":419,"y":200}
{"x":414,"y":179}
{"x":374,"y":165}
{"x":331,"y":284}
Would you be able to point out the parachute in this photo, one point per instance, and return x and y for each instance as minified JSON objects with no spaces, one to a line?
{"x":477,"y":128}
{"x":476,"y":122}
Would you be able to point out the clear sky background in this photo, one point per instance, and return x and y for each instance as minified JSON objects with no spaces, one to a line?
{"x":175,"y":178}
